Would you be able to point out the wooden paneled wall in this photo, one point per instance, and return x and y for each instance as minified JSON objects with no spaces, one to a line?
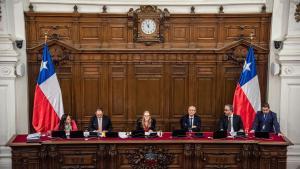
{"x":99,"y":64}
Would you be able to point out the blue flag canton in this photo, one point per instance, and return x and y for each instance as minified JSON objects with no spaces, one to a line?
{"x":249,"y":68}
{"x":47,"y":68}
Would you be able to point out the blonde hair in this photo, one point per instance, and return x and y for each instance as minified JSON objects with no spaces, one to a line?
{"x":144,"y":120}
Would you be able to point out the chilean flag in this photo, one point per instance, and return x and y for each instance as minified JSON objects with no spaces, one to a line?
{"x":246,"y":101}
{"x":48,"y":107}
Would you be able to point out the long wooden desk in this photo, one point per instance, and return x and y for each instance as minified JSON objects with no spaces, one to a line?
{"x":138,"y":153}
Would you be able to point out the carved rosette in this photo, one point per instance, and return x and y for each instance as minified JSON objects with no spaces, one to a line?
{"x":7,"y":71}
{"x":237,"y":54}
{"x":150,"y":157}
{"x":288,"y":70}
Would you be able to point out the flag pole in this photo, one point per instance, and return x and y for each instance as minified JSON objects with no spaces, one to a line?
{"x":46,"y":37}
{"x":251,"y":38}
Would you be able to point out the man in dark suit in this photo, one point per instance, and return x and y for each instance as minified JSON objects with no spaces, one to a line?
{"x":99,"y":122}
{"x":266,"y":120}
{"x":191,"y":121}
{"x":230,"y":122}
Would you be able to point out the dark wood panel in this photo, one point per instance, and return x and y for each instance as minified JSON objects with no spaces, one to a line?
{"x":99,"y":64}
{"x":118,"y":92}
{"x":178,"y":154}
{"x":149,"y":96}
{"x":116,"y":31}
{"x":179,"y":91}
{"x":67,"y":94}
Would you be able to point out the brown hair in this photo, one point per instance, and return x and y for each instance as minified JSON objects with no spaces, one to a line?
{"x":266,"y":105}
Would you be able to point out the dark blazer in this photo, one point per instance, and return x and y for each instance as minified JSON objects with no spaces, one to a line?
{"x":270,"y":122}
{"x":185,"y":123}
{"x":139,"y":125}
{"x":237,"y":123}
{"x":106,"y":123}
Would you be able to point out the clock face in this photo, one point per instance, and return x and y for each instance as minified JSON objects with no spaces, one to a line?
{"x":148,"y":26}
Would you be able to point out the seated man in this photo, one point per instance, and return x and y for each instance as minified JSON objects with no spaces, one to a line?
{"x":99,"y":122}
{"x":230,"y":122}
{"x":265,"y":121}
{"x":191,"y":121}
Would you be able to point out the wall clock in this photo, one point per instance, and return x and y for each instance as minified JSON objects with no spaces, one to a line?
{"x":148,"y":24}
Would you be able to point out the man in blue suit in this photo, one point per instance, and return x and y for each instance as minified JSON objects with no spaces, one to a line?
{"x":191,"y":121}
{"x":266,"y":121}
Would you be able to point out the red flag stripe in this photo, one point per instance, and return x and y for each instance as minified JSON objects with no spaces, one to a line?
{"x":243,"y":107}
{"x":44,"y":117}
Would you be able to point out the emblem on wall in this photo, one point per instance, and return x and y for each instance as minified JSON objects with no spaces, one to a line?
{"x":150,"y":157}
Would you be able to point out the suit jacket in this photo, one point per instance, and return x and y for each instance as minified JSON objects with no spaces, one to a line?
{"x":73,"y":124}
{"x":185,"y":123}
{"x":106,"y":123}
{"x":139,"y":125}
{"x":237,"y":123}
{"x":270,"y":122}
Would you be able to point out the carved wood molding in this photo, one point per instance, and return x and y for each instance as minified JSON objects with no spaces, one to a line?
{"x":0,"y":10}
{"x":60,"y":52}
{"x":150,"y":157}
{"x":297,"y":13}
{"x":237,"y":51}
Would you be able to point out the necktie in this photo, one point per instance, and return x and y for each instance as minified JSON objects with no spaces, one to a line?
{"x":100,"y":124}
{"x":191,"y":122}
{"x":264,"y":123}
{"x":229,"y":124}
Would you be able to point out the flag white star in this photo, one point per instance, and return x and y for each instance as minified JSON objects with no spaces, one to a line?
{"x":43,"y":65}
{"x":246,"y":66}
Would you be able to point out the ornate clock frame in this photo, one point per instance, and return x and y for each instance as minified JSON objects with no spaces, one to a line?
{"x":148,"y":12}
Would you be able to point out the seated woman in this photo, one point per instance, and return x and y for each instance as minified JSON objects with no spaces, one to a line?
{"x":146,"y":123}
{"x":66,"y":124}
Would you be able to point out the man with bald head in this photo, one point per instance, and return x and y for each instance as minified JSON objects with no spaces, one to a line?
{"x":100,"y":122}
{"x":191,"y":121}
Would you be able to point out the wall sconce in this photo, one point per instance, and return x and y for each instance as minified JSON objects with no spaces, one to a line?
{"x":19,"y":43}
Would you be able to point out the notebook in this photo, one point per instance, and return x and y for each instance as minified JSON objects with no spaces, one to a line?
{"x":76,"y":134}
{"x":179,"y":133}
{"x":259,"y":134}
{"x":111,"y":134}
{"x":138,"y":134}
{"x":219,"y":134}
{"x":198,"y":135}
{"x":58,"y":134}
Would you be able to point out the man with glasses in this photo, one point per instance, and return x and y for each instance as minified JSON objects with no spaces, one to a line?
{"x":99,"y":122}
{"x":230,"y":122}
{"x":266,"y":121}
